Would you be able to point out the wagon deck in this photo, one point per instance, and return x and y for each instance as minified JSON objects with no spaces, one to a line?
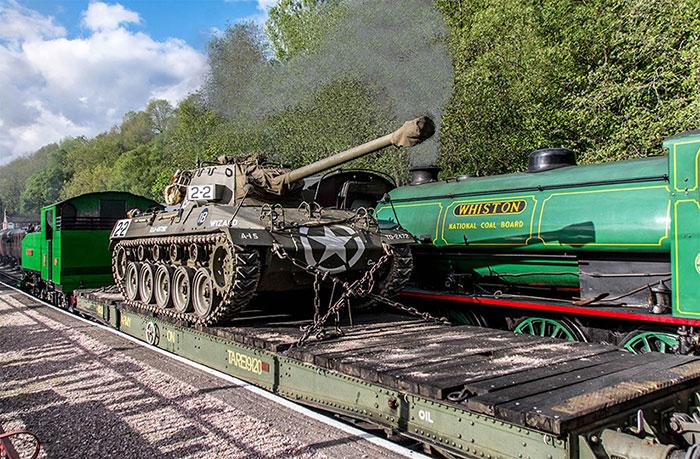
{"x":544,"y":387}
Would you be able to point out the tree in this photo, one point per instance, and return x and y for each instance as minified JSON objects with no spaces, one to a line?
{"x":161,"y":114}
{"x":297,"y":26}
{"x":40,"y":189}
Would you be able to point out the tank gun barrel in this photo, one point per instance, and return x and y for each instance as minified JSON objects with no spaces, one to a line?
{"x":410,"y":134}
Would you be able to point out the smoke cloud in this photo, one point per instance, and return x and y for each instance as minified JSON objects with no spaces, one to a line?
{"x":398,"y":47}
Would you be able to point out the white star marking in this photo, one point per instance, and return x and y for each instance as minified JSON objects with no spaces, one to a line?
{"x":333,"y":244}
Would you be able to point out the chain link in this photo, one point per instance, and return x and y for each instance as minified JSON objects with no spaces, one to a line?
{"x":360,"y":288}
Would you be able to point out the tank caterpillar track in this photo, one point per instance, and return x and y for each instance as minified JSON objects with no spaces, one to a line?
{"x":394,"y":278}
{"x":211,"y":264}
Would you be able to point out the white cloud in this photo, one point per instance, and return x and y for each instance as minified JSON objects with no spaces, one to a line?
{"x":53,"y":86}
{"x":101,"y":16}
{"x":18,"y":24}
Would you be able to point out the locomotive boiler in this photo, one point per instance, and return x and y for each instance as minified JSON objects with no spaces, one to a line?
{"x":607,"y":252}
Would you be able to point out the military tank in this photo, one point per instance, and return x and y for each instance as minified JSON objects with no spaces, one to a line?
{"x":241,"y":227}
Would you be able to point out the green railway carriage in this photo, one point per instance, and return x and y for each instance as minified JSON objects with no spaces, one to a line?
{"x":71,"y":250}
{"x":619,"y":241}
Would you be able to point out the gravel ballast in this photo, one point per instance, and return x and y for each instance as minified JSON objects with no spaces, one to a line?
{"x":89,"y":393}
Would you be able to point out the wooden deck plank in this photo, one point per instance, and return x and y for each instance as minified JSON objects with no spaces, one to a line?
{"x":567,"y":408}
{"x":439,"y":380}
{"x":486,"y":403}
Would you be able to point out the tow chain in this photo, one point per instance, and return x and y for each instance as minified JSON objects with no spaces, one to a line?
{"x":360,"y":288}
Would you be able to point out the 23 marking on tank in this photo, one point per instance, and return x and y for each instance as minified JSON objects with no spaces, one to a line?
{"x":332,"y":244}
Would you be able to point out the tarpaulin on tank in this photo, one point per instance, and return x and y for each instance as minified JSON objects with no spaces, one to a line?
{"x":253,"y":170}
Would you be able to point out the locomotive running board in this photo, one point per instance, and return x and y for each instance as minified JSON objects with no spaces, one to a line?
{"x":522,"y":396}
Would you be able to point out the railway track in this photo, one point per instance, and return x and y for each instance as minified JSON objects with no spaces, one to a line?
{"x":459,"y":391}
{"x":8,"y":280}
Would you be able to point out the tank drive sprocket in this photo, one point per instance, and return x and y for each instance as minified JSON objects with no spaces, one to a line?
{"x":211,"y":281}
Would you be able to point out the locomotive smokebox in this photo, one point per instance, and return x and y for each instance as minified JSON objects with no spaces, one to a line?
{"x":424,"y":174}
{"x":547,"y":159}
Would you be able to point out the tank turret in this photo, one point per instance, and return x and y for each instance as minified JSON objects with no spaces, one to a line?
{"x":242,"y":228}
{"x":251,"y":177}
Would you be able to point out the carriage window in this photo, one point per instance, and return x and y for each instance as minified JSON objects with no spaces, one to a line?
{"x":112,"y":209}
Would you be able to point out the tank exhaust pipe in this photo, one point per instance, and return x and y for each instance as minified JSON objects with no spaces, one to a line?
{"x":410,"y":134}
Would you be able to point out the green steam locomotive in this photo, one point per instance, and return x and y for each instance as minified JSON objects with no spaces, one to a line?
{"x":71,"y":248}
{"x":605,"y":252}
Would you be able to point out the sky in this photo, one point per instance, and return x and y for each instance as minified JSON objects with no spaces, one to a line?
{"x":74,"y":67}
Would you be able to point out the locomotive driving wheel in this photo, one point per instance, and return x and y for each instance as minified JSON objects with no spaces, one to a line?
{"x":644,"y":341}
{"x":548,"y":327}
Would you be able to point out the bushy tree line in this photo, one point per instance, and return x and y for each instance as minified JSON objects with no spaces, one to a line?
{"x":607,"y":78}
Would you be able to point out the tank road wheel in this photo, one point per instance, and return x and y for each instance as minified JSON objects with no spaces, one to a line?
{"x":552,"y":328}
{"x":132,"y":280}
{"x":204,"y":297}
{"x":162,"y":286}
{"x":120,"y":261}
{"x":182,"y":289}
{"x":146,"y":283}
{"x":643,"y":341}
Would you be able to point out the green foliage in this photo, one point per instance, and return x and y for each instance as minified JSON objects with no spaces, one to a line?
{"x":297,"y":26}
{"x":608,"y":78}
{"x":40,"y":189}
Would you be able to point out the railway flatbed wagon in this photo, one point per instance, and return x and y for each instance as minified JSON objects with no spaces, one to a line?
{"x":464,"y":391}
